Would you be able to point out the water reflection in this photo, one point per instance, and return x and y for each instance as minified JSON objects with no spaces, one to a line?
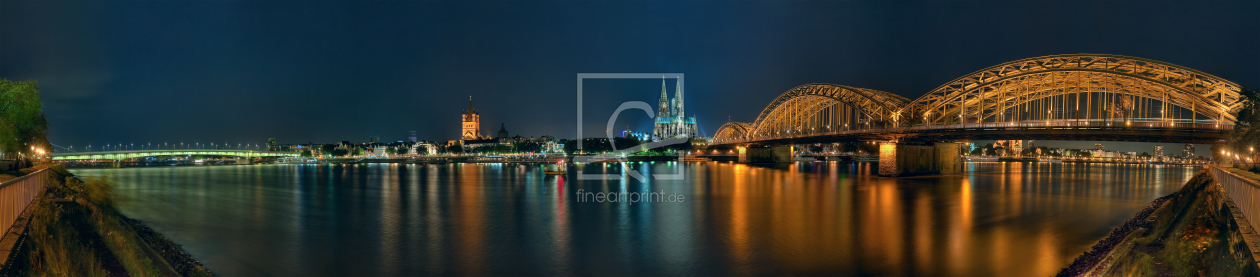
{"x":805,"y":218}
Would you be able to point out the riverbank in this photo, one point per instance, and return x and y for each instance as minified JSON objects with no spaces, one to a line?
{"x":1190,"y":232}
{"x":74,"y":230}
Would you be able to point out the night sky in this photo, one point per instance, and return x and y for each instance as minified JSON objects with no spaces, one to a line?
{"x":242,"y":72}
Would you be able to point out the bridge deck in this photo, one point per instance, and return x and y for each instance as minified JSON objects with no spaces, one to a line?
{"x":122,"y":155}
{"x":1134,"y":130}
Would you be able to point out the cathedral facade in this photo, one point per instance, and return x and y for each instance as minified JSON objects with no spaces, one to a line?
{"x":671,"y":118}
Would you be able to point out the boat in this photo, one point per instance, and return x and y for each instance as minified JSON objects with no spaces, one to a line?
{"x":981,"y":159}
{"x":560,"y":169}
{"x":694,"y":159}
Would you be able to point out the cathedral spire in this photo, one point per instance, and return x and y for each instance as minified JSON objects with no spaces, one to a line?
{"x":678,"y":97}
{"x":663,"y":109}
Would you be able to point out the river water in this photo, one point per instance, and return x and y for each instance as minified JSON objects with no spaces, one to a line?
{"x":1006,"y":219}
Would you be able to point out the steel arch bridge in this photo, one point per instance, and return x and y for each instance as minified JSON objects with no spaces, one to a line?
{"x":1079,"y":96}
{"x":123,"y":155}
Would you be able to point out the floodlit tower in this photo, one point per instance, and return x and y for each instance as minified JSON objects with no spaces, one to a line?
{"x":663,"y":109}
{"x":678,"y":97}
{"x":472,"y":123}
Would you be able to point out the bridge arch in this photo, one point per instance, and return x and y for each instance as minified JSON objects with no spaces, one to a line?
{"x":1099,"y":89}
{"x":818,"y":108}
{"x":732,"y":131}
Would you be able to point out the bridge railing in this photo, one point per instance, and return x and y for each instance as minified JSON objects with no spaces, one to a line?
{"x":1034,"y":124}
{"x":17,"y":194}
{"x":1245,"y":192}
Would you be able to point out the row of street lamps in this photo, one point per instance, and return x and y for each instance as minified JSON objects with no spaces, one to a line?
{"x":170,"y":146}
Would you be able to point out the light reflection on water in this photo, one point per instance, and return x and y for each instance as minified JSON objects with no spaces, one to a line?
{"x":506,"y":219}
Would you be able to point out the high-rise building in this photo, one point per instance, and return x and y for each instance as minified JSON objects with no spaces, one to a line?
{"x":1158,"y":151}
{"x":472,"y":123}
{"x":672,"y":122}
{"x":1188,"y":151}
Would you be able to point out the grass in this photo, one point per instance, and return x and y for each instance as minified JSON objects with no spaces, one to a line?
{"x":1191,"y":236}
{"x":1244,"y":173}
{"x":75,"y":231}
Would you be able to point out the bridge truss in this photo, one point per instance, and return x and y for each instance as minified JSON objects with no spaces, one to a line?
{"x":1084,"y":96}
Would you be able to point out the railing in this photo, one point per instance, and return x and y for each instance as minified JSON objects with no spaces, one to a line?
{"x":1098,"y":124}
{"x":16,"y":195}
{"x":1245,"y":192}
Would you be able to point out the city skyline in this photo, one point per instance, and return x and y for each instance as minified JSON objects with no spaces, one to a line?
{"x":218,"y":81}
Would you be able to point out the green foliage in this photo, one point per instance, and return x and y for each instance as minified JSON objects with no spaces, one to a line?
{"x":327,"y":149}
{"x":359,"y":151}
{"x":389,"y":151}
{"x":22,"y":122}
{"x":455,"y":148}
{"x":306,"y":153}
{"x":1246,"y":133}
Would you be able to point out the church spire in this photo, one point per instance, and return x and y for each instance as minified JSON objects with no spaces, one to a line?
{"x":678,"y":97}
{"x":663,"y":109}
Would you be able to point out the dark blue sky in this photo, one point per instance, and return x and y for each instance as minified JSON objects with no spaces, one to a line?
{"x":244,"y":71}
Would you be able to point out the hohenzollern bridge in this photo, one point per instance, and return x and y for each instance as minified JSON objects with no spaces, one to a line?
{"x":1063,"y":97}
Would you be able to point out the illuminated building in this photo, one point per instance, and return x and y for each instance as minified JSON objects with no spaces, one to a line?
{"x":671,"y":120}
{"x":472,"y":123}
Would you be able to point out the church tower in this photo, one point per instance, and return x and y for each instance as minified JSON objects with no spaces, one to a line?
{"x":472,"y":123}
{"x":663,"y":110}
{"x":678,"y":97}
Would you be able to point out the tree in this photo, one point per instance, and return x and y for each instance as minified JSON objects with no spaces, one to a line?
{"x":359,"y":151}
{"x":306,"y":153}
{"x":455,"y":148}
{"x":22,"y":122}
{"x":389,"y":151}
{"x":1246,"y":133}
{"x":339,"y":152}
{"x":570,"y":146}
{"x":327,"y":149}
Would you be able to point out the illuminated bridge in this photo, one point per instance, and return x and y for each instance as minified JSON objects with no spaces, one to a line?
{"x":123,"y":155}
{"x":1063,"y":97}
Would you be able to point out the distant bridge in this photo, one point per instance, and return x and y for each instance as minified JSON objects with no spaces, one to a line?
{"x":1063,"y":97}
{"x":123,"y":155}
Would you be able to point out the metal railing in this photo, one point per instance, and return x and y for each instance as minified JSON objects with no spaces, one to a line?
{"x":1085,"y":124}
{"x":17,"y":194}
{"x":1245,"y":192}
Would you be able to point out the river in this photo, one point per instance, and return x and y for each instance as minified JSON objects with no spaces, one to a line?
{"x":1006,"y":219}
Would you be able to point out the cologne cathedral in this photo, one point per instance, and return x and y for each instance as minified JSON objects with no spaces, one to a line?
{"x":671,"y":121}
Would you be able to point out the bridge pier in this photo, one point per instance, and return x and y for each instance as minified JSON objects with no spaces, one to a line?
{"x":116,"y":164}
{"x":763,"y":154}
{"x":907,"y":160}
{"x":243,"y":161}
